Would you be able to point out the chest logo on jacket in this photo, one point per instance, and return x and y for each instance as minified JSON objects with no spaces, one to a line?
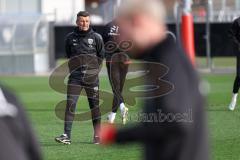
{"x":90,"y":43}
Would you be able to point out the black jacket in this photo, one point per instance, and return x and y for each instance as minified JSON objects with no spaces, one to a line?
{"x":16,"y":136}
{"x":84,"y":47}
{"x":183,"y":138}
{"x":110,"y":38}
{"x":234,"y":32}
{"x":80,"y":43}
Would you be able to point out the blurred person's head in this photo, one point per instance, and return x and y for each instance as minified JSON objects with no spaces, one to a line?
{"x":142,"y":22}
{"x":83,"y":20}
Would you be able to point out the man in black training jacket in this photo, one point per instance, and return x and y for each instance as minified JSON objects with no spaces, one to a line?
{"x":85,"y":49}
{"x":172,"y":126}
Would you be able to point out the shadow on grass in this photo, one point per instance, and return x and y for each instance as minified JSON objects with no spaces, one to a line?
{"x":54,"y":144}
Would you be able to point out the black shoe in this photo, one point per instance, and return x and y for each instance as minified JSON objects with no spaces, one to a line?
{"x":63,"y":139}
{"x":96,"y":140}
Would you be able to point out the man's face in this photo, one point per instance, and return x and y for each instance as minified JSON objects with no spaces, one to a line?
{"x":135,"y":29}
{"x":83,"y":23}
{"x":141,"y":30}
{"x":126,"y":29}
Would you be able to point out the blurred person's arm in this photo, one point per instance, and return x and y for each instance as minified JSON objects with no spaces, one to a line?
{"x":21,"y":129}
{"x":149,"y":133}
{"x":142,"y":132}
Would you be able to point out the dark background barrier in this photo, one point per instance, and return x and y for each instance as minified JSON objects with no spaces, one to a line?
{"x":221,"y":44}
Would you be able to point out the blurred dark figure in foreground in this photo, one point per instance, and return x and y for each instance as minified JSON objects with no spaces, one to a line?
{"x":234,"y":34}
{"x":174,"y":126}
{"x":17,"y":139}
{"x":117,"y":62}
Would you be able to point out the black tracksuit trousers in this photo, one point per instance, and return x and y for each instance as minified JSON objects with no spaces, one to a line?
{"x":236,"y":84}
{"x":75,"y":86}
{"x":117,"y":68}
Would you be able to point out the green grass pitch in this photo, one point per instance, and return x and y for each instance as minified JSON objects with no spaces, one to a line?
{"x":40,"y":101}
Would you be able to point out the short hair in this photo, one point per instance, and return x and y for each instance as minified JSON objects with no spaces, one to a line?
{"x":154,"y":8}
{"x":83,"y":14}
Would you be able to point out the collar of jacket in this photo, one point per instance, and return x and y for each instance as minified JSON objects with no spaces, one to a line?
{"x":82,"y":33}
